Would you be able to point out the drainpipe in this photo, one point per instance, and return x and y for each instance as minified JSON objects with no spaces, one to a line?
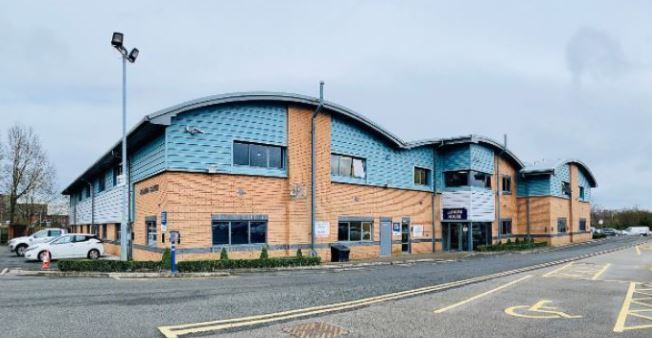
{"x":499,"y":189}
{"x":432,"y":199}
{"x":313,"y":193}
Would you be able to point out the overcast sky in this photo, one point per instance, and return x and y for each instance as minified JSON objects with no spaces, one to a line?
{"x":563,"y":79}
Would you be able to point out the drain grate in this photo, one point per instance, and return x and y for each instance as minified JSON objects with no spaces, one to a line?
{"x":316,"y":330}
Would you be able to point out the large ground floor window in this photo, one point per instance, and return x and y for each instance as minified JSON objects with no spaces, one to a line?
{"x":355,"y":231}
{"x":239,"y":232}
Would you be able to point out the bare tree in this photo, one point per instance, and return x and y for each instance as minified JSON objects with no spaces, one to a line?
{"x":27,"y":172}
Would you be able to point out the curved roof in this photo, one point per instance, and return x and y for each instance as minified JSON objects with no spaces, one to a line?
{"x":549,"y":167}
{"x":164,"y":117}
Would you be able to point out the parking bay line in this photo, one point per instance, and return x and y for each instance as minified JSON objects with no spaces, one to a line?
{"x":441,"y":310}
{"x":557,"y":270}
{"x":600,"y":272}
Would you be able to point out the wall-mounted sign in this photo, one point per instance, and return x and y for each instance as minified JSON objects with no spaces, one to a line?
{"x":164,"y":222}
{"x":323,"y":228}
{"x":150,"y":189}
{"x":417,"y":231}
{"x":396,"y":228}
{"x":454,"y":214}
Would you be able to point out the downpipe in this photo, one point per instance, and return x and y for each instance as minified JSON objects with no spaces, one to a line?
{"x":313,"y":169}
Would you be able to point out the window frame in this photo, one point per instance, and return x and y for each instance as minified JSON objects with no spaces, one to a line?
{"x":148,"y":222}
{"x":466,"y":182}
{"x":362,"y":224}
{"x":582,"y":192}
{"x":117,"y":171}
{"x":425,"y":174}
{"x":230,"y":232}
{"x":352,"y":167}
{"x":503,"y":222}
{"x":566,"y":188}
{"x":561,"y":230}
{"x":582,"y":224}
{"x":267,"y":148}
{"x":507,"y":178}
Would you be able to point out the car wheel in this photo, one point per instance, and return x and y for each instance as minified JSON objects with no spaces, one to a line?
{"x":20,"y":250}
{"x":93,"y":254}
{"x":41,"y":255}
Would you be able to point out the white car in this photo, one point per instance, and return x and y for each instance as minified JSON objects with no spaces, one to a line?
{"x":20,"y":244}
{"x":637,"y":230}
{"x":73,"y":245}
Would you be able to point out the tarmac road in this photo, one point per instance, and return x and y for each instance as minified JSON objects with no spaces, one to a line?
{"x":95,"y":307}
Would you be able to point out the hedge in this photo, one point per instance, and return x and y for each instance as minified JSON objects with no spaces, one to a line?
{"x":86,"y":265}
{"x":526,"y":244}
{"x":217,"y":265}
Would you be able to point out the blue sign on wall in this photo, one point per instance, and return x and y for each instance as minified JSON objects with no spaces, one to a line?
{"x":455,"y":214}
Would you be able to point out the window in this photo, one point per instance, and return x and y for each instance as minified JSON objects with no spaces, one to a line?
{"x":507,"y":184}
{"x":582,"y":224}
{"x":63,"y":240}
{"x":565,"y":189}
{"x":506,"y":227}
{"x":421,"y":176}
{"x":40,"y":234}
{"x":80,"y":196}
{"x":54,"y":233}
{"x":239,"y":232}
{"x":346,"y":166}
{"x":561,"y":225}
{"x":150,"y":230}
{"x":87,"y":192}
{"x":101,"y":184}
{"x":117,"y":231}
{"x":258,"y":155}
{"x":456,"y":179}
{"x":104,"y":235}
{"x":479,"y":179}
{"x":581,"y":189}
{"x":355,"y":231}
{"x":117,"y":171}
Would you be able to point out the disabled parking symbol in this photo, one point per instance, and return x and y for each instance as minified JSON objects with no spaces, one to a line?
{"x":539,"y":311}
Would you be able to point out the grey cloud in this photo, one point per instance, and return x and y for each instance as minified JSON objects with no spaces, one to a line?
{"x":591,"y":52}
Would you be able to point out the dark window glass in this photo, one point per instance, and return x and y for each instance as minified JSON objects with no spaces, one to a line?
{"x":343,"y":231}
{"x":275,"y":157}
{"x":101,"y":184}
{"x":456,"y":179}
{"x":258,"y":232}
{"x":421,"y":176}
{"x":220,"y":232}
{"x":81,"y":238}
{"x":54,"y":233}
{"x":356,"y":231}
{"x":345,"y":166}
{"x":481,"y":180}
{"x":506,"y":227}
{"x":561,"y":225}
{"x":507,"y":184}
{"x":117,"y":170}
{"x":582,"y":224}
{"x":565,"y":189}
{"x":239,"y":232}
{"x":240,"y":153}
{"x":581,"y":193}
{"x":258,"y":155}
{"x":104,"y":235}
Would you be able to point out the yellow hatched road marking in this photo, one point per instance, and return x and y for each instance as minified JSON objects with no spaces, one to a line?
{"x":627,"y":311}
{"x":441,"y":310}
{"x":557,"y":270}
{"x":638,"y":251}
{"x":599,"y":273}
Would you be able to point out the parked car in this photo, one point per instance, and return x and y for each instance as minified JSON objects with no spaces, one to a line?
{"x":72,"y":245}
{"x":609,"y":232}
{"x":20,"y":244}
{"x":638,"y":230}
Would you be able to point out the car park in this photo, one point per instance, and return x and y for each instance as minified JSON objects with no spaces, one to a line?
{"x":638,"y":230}
{"x":73,"y":245}
{"x":20,"y":244}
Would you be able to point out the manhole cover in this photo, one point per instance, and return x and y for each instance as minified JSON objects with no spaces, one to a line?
{"x":316,"y":330}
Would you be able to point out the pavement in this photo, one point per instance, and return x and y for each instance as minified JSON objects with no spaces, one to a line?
{"x":11,"y":261}
{"x":106,"y":307}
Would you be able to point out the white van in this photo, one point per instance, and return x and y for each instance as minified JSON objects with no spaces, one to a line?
{"x":637,"y":230}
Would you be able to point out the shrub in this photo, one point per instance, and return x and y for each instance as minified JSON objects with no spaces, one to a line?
{"x":509,"y":241}
{"x":299,"y":254}
{"x":263,"y":253}
{"x":217,"y":265}
{"x":223,"y":254}
{"x":86,"y":265}
{"x":166,"y":259}
{"x":517,"y":241}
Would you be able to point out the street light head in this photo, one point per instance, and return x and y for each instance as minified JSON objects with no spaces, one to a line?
{"x":133,"y":55}
{"x":117,"y":39}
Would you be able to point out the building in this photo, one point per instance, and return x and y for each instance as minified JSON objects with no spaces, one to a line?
{"x":29,"y":217}
{"x":234,"y":171}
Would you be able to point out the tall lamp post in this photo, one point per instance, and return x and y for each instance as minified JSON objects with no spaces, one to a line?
{"x":125,"y":236}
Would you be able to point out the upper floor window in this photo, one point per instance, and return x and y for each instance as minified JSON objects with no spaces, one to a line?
{"x":257,"y":155}
{"x":507,"y":184}
{"x":87,"y":192}
{"x":101,"y":184}
{"x":565,"y":188}
{"x":456,"y":179}
{"x":479,"y":179}
{"x":346,"y":166}
{"x":117,"y":171}
{"x":421,"y":176}
{"x":582,"y":194}
{"x":561,"y":225}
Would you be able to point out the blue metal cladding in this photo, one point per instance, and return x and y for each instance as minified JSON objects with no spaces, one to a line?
{"x":385,"y":165}
{"x":583,"y":181}
{"x":147,"y":160}
{"x":221,"y":125}
{"x":534,"y":186}
{"x":457,"y":158}
{"x":482,"y":159}
{"x":464,"y":157}
{"x":562,"y":173}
